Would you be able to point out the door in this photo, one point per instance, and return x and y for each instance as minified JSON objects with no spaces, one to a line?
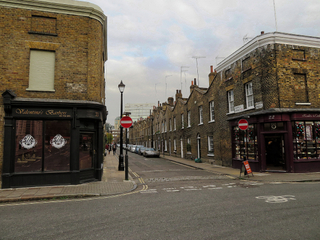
{"x":275,"y":152}
{"x":87,"y":151}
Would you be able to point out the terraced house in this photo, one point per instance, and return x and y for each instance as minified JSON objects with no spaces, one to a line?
{"x":52,"y":109}
{"x":272,"y":82}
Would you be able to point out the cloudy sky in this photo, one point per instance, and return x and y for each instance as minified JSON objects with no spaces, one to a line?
{"x":151,"y":43}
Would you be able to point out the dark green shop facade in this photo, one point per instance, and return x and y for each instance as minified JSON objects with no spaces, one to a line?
{"x":51,"y":142}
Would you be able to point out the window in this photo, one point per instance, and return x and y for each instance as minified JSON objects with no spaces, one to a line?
{"x":182,"y":121}
{"x":170,"y":127}
{"x":200,"y":115}
{"x":244,"y":143}
{"x":188,"y":145}
{"x":174,"y":145}
{"x":231,"y":101}
{"x":210,"y":145}
{"x":189,"y":119}
{"x":41,"y":72}
{"x":249,"y":95}
{"x":174,"y":124}
{"x":42,"y":146}
{"x":306,"y":140}
{"x":211,"y":109}
{"x":165,"y":126}
{"x":162,"y":127}
{"x":165,"y":146}
{"x":300,"y":88}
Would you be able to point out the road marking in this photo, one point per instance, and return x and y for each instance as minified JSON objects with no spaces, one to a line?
{"x":277,"y":199}
{"x":149,"y":191}
{"x":171,"y":190}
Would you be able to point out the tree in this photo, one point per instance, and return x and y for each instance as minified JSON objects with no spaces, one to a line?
{"x":108,"y":138}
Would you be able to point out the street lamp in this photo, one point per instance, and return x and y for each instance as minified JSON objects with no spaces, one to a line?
{"x":121,"y":87}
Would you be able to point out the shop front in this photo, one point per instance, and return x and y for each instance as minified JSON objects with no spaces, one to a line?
{"x":280,"y":142}
{"x":51,"y":142}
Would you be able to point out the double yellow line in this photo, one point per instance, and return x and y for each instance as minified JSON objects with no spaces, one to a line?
{"x":144,"y":185}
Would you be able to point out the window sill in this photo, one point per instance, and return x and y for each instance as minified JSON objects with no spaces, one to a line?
{"x":229,"y":113}
{"x":189,"y":153}
{"x":37,"y":90}
{"x":303,"y":104}
{"x":212,"y":121}
{"x":210,"y":155}
{"x":189,"y":127}
{"x":200,"y":124}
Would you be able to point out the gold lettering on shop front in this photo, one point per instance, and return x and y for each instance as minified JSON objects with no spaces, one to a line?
{"x":28,"y":112}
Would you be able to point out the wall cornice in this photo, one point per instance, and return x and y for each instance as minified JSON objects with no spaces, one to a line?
{"x":265,"y":39}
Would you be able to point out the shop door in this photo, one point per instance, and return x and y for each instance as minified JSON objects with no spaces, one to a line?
{"x":275,"y":153}
{"x":87,"y":153}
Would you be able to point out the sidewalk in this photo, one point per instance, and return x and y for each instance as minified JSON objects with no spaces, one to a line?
{"x":257,"y":176}
{"x":112,"y":183}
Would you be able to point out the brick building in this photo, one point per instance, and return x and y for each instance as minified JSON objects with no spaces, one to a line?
{"x":52,"y":109}
{"x":271,"y":82}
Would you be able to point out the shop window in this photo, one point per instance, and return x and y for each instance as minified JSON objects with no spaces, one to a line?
{"x":41,"y":72}
{"x":230,"y":101}
{"x":306,"y":139}
{"x":245,"y":143}
{"x":31,"y":144}
{"x":249,"y":95}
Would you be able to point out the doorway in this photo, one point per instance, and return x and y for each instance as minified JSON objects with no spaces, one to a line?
{"x":198,"y":146}
{"x":275,"y":152}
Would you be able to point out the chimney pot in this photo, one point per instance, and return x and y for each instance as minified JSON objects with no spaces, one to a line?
{"x":211,"y":69}
{"x":195,"y":81}
{"x":262,"y":32}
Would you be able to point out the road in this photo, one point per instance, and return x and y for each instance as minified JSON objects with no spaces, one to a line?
{"x":173,"y":202}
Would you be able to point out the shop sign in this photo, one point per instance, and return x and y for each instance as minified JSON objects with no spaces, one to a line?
{"x":36,"y":112}
{"x":259,"y":105}
{"x":238,"y":108}
{"x":306,"y":116}
{"x":272,"y":118}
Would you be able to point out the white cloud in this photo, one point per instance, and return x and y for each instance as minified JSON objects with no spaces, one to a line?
{"x":150,"y":39}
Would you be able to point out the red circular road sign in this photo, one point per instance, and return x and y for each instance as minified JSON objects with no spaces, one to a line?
{"x":126,"y":122}
{"x":243,"y":124}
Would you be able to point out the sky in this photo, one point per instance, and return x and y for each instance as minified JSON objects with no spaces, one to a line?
{"x":154,"y":45}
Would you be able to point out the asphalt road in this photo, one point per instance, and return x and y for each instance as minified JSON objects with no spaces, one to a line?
{"x":173,"y":202}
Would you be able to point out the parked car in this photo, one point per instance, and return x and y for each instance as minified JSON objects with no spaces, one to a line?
{"x":141,"y":150}
{"x":150,"y":152}
{"x":137,"y":149}
{"x":133,"y":148}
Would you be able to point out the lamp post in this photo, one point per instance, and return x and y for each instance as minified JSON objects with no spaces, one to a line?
{"x":121,"y":87}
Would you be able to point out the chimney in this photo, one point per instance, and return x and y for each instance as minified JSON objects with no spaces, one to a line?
{"x":195,"y":81}
{"x":170,"y":101}
{"x":178,"y":94}
{"x":262,"y":32}
{"x":193,"y":85}
{"x":212,"y":75}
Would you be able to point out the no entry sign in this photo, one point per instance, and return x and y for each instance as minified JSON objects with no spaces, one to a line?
{"x":126,"y":122}
{"x":243,"y":124}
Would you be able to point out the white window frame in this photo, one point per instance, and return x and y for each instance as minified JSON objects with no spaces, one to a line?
{"x":174,"y":145}
{"x":182,"y":121}
{"x":231,"y":101}
{"x":210,"y":146}
{"x":174,"y":124}
{"x":200,"y":115}
{"x":189,"y":118}
{"x":165,"y":146}
{"x":211,"y":110}
{"x":249,"y":95}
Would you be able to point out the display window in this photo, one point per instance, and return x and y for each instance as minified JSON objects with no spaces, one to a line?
{"x":42,"y":146}
{"x":245,"y":143}
{"x":86,"y":151}
{"x":306,"y":139}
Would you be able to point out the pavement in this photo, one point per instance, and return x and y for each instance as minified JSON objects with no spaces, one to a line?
{"x":113,"y":182}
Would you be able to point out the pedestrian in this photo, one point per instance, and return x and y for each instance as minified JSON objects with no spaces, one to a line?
{"x":114,"y":148}
{"x":109,"y":148}
{"x":106,"y":149}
